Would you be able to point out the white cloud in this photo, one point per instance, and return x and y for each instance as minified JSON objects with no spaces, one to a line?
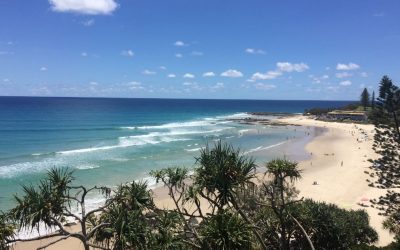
{"x":255,"y":51}
{"x":364,"y":74}
{"x":343,"y":75}
{"x":281,"y":67}
{"x":171,"y":75}
{"x":350,"y":66}
{"x":128,"y":53}
{"x":188,"y":75}
{"x":88,"y":23}
{"x":345,"y":83}
{"x":263,"y":86}
{"x":209,"y":74}
{"x":318,"y":79}
{"x":218,"y":85}
{"x":93,"y":83}
{"x":192,"y":85}
{"x":163,"y":67}
{"x":6,"y":80}
{"x":43,"y":68}
{"x":332,"y":88}
{"x":41,"y":91}
{"x":197,"y":53}
{"x":232,"y":73}
{"x":180,"y":44}
{"x":178,"y":55}
{"x":267,"y":76}
{"x":290,"y":67}
{"x":84,"y":54}
{"x":313,"y":90}
{"x":148,"y":72}
{"x":90,"y":7}
{"x":135,"y":86}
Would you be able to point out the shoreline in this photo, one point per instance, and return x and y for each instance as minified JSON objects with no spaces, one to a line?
{"x":331,"y":144}
{"x":338,"y":160}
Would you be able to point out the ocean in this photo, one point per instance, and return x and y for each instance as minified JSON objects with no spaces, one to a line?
{"x":108,"y":141}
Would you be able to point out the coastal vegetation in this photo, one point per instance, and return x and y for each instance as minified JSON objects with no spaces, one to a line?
{"x":365,"y":99}
{"x":386,"y":168}
{"x":355,"y":106}
{"x":224,"y":204}
{"x":366,"y":104}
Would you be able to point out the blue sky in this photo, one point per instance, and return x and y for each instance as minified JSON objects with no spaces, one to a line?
{"x":253,"y":49}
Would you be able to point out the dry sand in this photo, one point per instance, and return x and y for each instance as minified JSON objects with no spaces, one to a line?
{"x":337,"y":163}
{"x":344,"y":185}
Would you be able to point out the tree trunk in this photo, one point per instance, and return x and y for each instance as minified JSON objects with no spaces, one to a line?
{"x":396,"y":124}
{"x":244,"y":216}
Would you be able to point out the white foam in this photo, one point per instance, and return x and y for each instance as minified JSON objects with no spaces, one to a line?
{"x":9,"y":171}
{"x":151,"y":138}
{"x":119,"y":159}
{"x":193,"y":149}
{"x":86,"y":150}
{"x":199,"y":123}
{"x":242,"y":131}
{"x":263,"y":148}
{"x":205,"y":122}
{"x":235,"y":116}
{"x":87,"y":166}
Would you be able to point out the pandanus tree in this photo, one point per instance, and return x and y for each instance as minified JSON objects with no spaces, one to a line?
{"x":6,"y":231}
{"x":222,"y":172}
{"x":278,"y":194}
{"x":218,"y":207}
{"x":135,"y":223}
{"x":50,"y":204}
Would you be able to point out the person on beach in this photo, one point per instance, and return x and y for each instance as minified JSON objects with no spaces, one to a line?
{"x":341,"y":164}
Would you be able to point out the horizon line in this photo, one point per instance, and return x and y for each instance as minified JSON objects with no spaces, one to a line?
{"x":173,"y":98}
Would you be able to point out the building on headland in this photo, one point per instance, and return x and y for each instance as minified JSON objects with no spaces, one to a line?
{"x":347,"y":115}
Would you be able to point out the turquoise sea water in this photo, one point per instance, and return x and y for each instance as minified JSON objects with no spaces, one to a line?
{"x":110,"y":141}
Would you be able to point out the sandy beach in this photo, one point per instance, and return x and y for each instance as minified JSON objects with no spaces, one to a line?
{"x":338,"y":159}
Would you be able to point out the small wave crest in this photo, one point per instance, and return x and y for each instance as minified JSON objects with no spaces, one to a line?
{"x":87,"y":166}
{"x":193,"y":149}
{"x":263,"y":148}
